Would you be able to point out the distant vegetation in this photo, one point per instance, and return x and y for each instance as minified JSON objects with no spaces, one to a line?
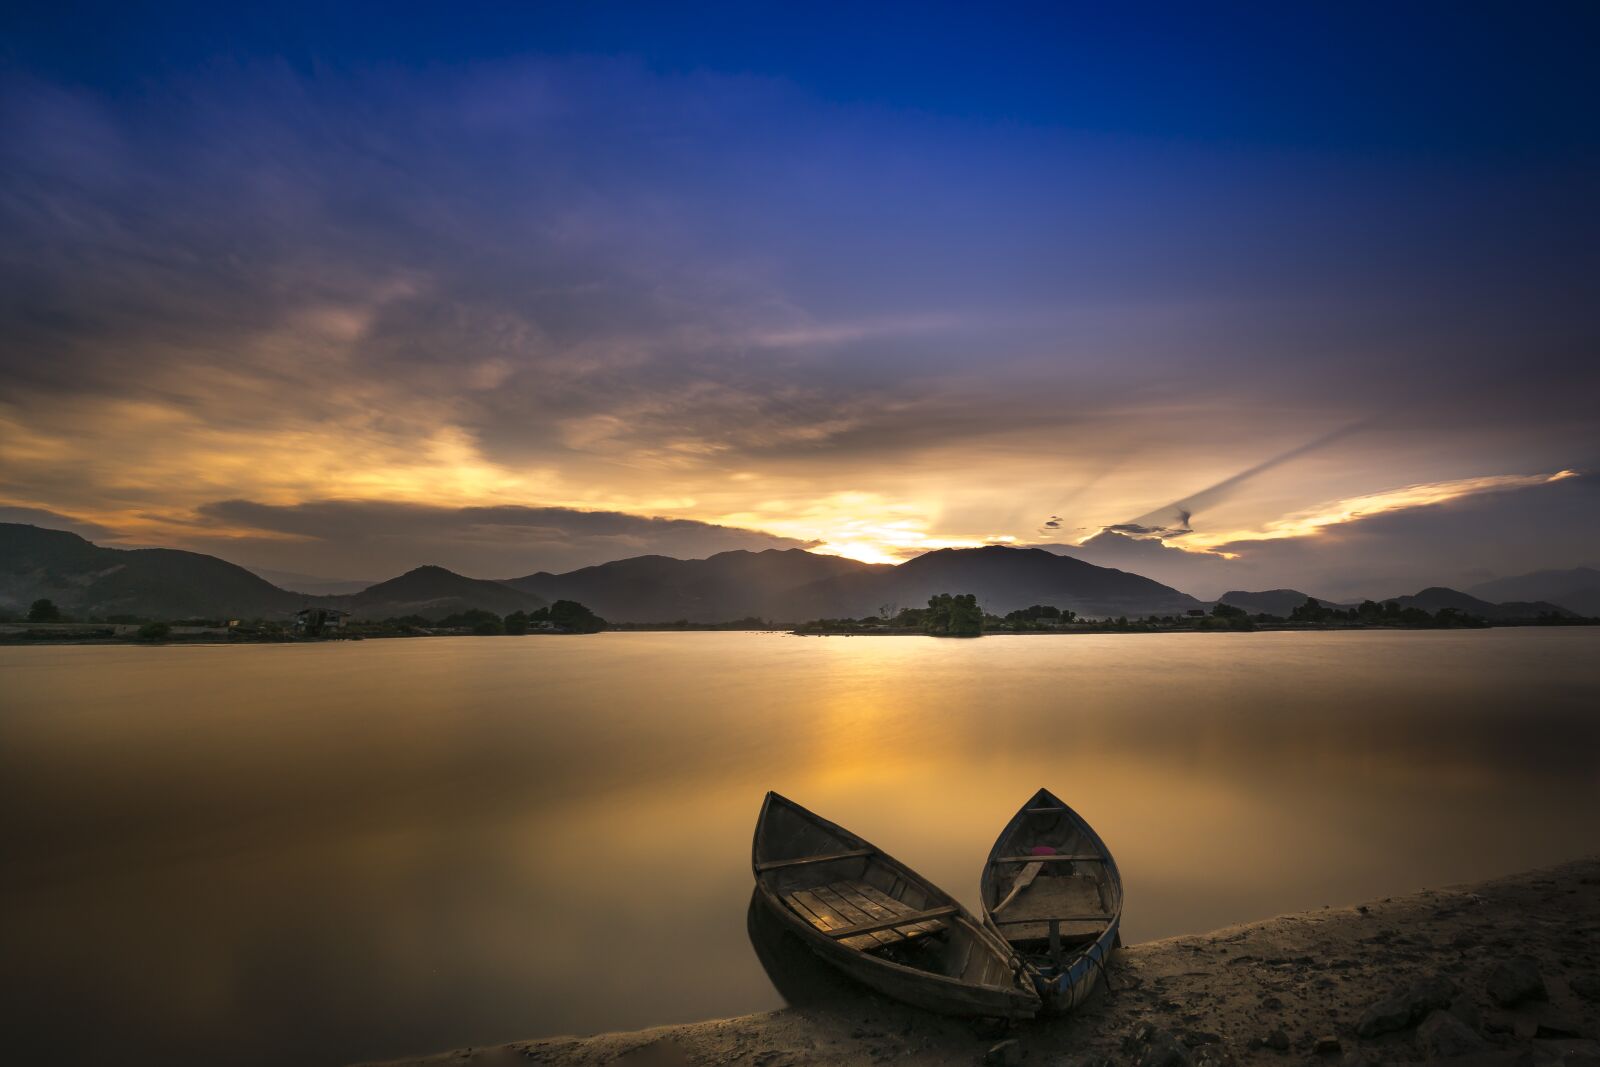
{"x":55,"y":586}
{"x":749,"y":622}
{"x":954,"y":616}
{"x":947,"y":615}
{"x":1043,"y":618}
{"x":562,"y":617}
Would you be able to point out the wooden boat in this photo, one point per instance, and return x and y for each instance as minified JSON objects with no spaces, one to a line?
{"x":881,"y":923}
{"x":1051,"y":890}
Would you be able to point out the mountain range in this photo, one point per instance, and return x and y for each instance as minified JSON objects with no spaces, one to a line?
{"x":785,"y":586}
{"x":1279,"y":602}
{"x":86,"y":579}
{"x":729,"y":585}
{"x":1577,"y":589}
{"x":1437,"y":598}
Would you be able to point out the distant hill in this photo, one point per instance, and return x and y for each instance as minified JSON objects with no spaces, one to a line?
{"x":1004,"y":579}
{"x":1435,"y":598}
{"x":434,"y":592}
{"x":1279,"y":602}
{"x":1577,"y":589}
{"x":728,"y":585}
{"x":85,"y":579}
{"x":310,"y":583}
{"x":783,"y":586}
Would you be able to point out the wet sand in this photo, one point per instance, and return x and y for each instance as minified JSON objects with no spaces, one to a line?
{"x":1504,"y":972}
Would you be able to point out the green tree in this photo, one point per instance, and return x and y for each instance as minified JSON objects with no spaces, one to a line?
{"x":44,"y":610}
{"x":954,"y":616}
{"x":912,"y":618}
{"x":573,"y":617}
{"x":154,"y":631}
{"x":517,"y":623}
{"x":472,"y":619}
{"x":1311,"y":611}
{"x":1036,"y":612}
{"x":1227,"y":611}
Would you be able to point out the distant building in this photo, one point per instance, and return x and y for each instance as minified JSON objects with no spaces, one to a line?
{"x":319,"y":620}
{"x":1198,"y":613}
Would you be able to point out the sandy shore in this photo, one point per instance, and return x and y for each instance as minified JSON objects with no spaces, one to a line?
{"x":1506,"y":972}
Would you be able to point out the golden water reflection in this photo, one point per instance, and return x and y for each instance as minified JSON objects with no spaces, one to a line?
{"x":325,"y":853}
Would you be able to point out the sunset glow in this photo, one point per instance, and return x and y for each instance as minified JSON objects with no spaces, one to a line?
{"x":562,"y":308}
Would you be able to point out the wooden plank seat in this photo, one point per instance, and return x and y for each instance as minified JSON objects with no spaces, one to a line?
{"x":1071,"y":903}
{"x":864,"y":917}
{"x":1053,"y":857}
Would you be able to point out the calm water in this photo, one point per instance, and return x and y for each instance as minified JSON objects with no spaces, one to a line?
{"x":324,"y":853}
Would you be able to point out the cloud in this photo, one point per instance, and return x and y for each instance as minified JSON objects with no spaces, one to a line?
{"x":1314,"y":520}
{"x":52,"y":520}
{"x":591,"y":284}
{"x":1175,"y":520}
{"x":1453,"y":534}
{"x":360,"y":538}
{"x":1455,"y":541}
{"x":1199,"y":574}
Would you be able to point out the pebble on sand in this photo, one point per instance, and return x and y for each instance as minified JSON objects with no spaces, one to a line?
{"x":1404,"y":1009}
{"x":1516,"y":980}
{"x":1442,"y":1035}
{"x":1007,"y":1053}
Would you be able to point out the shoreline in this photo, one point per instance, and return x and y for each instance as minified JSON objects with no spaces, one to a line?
{"x":1499,"y":973}
{"x":28,"y":640}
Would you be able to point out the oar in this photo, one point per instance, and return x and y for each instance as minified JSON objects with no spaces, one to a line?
{"x":1024,"y":880}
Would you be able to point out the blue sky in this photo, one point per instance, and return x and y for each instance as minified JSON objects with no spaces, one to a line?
{"x":876,"y":281}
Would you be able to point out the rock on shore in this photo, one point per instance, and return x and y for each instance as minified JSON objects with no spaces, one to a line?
{"x":1501,"y":974}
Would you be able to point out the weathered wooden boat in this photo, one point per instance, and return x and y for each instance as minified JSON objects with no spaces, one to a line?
{"x":881,"y":923}
{"x":1051,"y":890}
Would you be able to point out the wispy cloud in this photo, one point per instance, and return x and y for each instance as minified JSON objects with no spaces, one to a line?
{"x":1455,"y":533}
{"x":341,"y":537}
{"x":1315,"y":520}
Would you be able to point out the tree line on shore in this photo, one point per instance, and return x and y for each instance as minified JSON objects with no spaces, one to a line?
{"x":947,"y":615}
{"x":563,"y":616}
{"x":950,"y":615}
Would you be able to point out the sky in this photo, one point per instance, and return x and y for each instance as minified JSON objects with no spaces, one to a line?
{"x":1237,"y":297}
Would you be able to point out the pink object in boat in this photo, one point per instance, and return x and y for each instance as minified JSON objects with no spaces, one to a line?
{"x":1041,"y":850}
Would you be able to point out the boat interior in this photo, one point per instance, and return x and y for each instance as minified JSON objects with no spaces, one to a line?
{"x":847,"y":891}
{"x":1049,"y":885}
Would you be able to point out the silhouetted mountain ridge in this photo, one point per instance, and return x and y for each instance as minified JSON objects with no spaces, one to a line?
{"x":434,"y":592}
{"x":1279,"y":602}
{"x":85,"y":579}
{"x":729,"y":585}
{"x":1576,"y":589}
{"x":1435,"y":598}
{"x":780,"y":585}
{"x":1003,"y":579}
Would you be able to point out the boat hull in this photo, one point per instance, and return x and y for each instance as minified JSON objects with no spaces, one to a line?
{"x":821,"y":881}
{"x":933,"y":993}
{"x":1056,"y":839}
